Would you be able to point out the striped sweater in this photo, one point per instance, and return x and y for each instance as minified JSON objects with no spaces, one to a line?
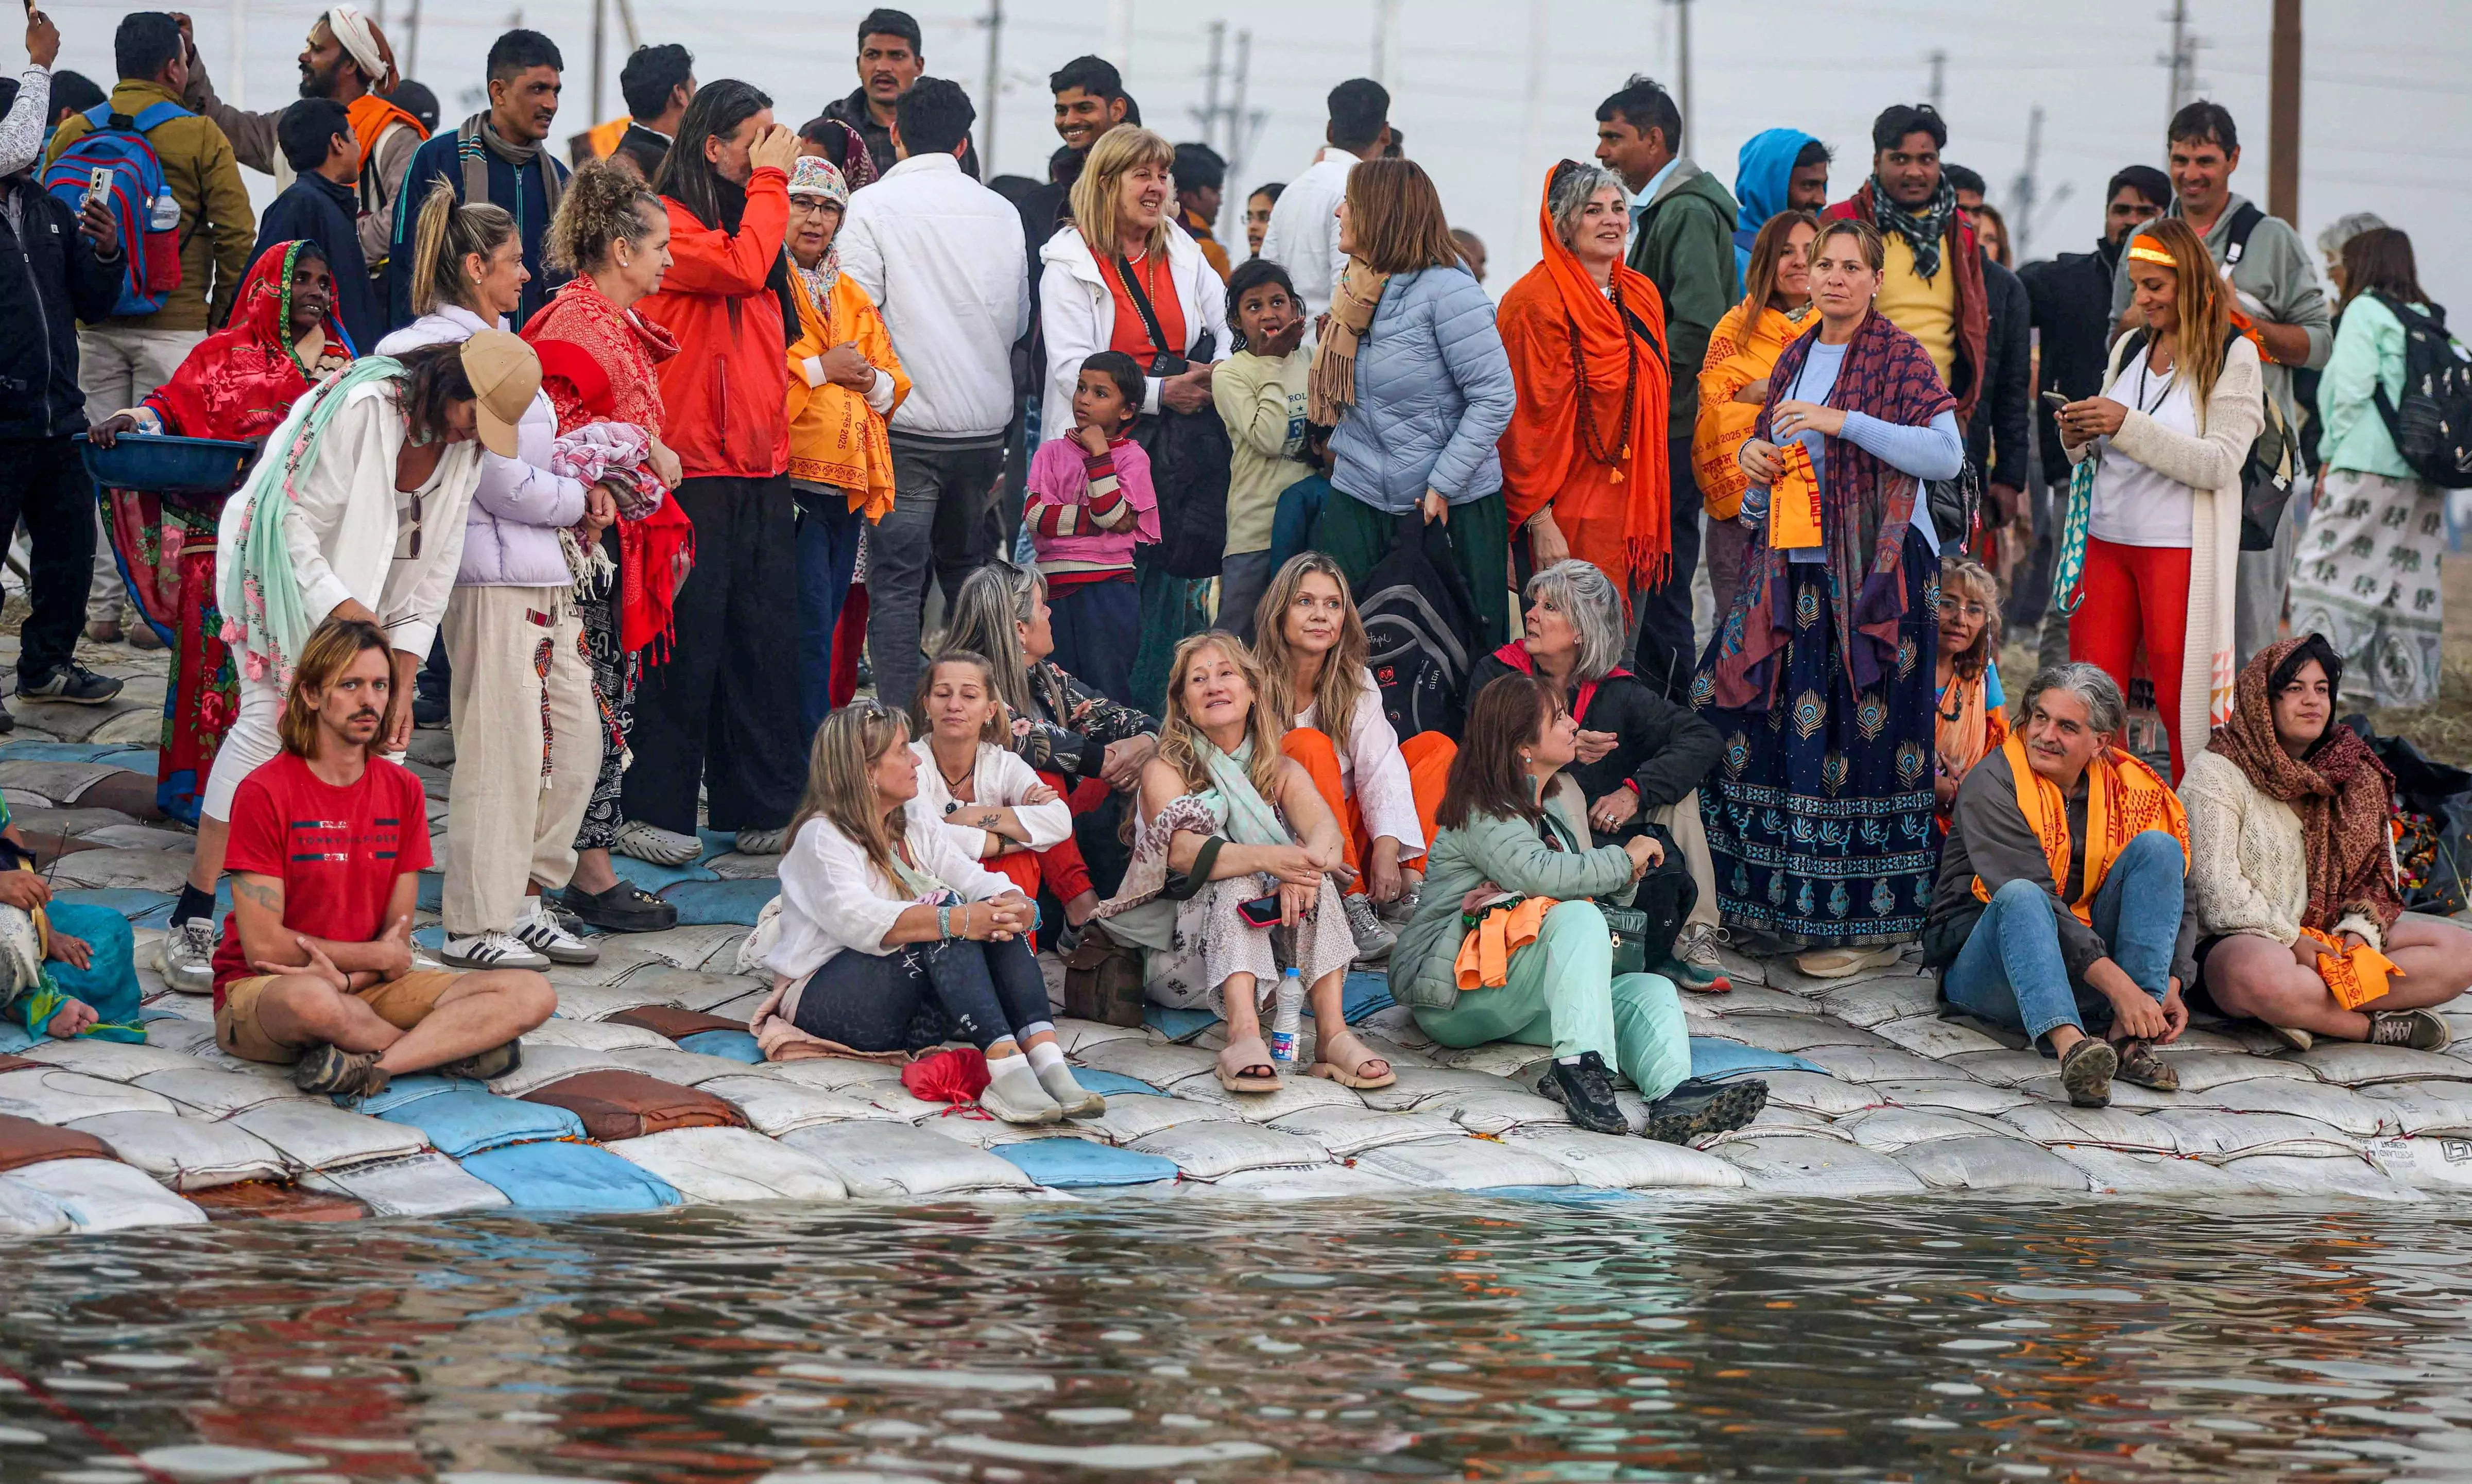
{"x":1085,"y":514}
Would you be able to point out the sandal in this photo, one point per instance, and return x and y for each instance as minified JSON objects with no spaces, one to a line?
{"x":2140,"y":1066}
{"x":1246,"y":1066}
{"x":1358,"y":1077}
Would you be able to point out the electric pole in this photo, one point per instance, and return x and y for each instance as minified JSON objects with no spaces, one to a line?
{"x":2182,"y":58}
{"x":600,"y":57}
{"x":1683,"y":72}
{"x":992,"y":108}
{"x":412,"y":42}
{"x":1210,"y":114}
{"x":1386,"y":42}
{"x":2021,"y":190}
{"x":1120,"y":34}
{"x":239,"y":73}
{"x":1242,"y":128}
{"x":2283,"y":115}
{"x":1938,"y":60}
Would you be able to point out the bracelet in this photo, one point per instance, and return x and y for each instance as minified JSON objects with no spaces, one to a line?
{"x":943,"y":922}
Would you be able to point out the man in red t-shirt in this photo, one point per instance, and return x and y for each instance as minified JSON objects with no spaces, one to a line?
{"x":327,"y":844}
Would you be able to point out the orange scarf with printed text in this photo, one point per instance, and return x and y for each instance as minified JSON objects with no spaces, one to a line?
{"x":2123,"y":799}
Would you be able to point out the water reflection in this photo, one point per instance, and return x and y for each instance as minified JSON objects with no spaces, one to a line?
{"x":1194,"y":1339}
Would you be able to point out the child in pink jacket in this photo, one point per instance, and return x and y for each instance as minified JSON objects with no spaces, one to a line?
{"x":1091,"y":503}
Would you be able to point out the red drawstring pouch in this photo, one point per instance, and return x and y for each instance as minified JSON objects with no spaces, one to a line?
{"x":958,"y":1076}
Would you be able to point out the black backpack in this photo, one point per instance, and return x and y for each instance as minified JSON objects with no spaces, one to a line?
{"x":1420,"y":628}
{"x":2433,"y":427}
{"x":1190,"y":454}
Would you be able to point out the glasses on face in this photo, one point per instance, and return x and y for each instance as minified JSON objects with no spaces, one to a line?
{"x":1951,"y":608}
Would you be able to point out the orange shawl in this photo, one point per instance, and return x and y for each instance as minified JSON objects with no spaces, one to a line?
{"x":834,"y":437}
{"x":2123,"y":798}
{"x":371,"y":116}
{"x":1736,"y":358}
{"x":1555,"y":320}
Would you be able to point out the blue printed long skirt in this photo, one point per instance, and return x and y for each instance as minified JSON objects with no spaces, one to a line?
{"x":1822,"y":829}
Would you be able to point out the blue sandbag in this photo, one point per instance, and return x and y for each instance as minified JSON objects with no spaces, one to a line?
{"x":13,"y":1038}
{"x":154,"y":1012}
{"x":1712,"y":1057}
{"x":653,"y":877}
{"x":1108,"y":1084}
{"x":134,"y":902}
{"x":736,"y":1044}
{"x":466,"y":1120}
{"x":1561,"y":1194}
{"x":1177,"y":1024}
{"x":432,"y":897}
{"x":1078,"y":1163}
{"x":713,"y":901}
{"x":159,"y":914}
{"x":557,"y":1176}
{"x":402,"y":1092}
{"x":716,"y":842}
{"x":1365,"y":993}
{"x":432,"y":938}
{"x":142,"y":761}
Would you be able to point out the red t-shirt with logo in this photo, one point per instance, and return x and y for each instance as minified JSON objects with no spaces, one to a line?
{"x":337,"y":851}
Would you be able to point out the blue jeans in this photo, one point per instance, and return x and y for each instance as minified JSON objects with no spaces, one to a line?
{"x":2010,"y":972}
{"x":828,"y":532}
{"x":1097,"y":631}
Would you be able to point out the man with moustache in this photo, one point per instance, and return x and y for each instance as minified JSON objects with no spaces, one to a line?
{"x":498,"y":156}
{"x":890,"y":60}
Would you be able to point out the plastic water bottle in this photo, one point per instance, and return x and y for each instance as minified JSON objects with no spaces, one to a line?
{"x":1287,"y":1016}
{"x":165,"y":213}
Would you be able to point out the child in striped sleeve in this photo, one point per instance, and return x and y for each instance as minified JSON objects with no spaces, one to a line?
{"x":1091,"y":503}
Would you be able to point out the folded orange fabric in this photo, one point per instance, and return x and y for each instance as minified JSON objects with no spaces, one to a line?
{"x":1484,"y":954}
{"x":2357,"y":976}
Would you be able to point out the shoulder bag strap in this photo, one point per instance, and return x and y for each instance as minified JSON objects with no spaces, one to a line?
{"x":1142,"y":306}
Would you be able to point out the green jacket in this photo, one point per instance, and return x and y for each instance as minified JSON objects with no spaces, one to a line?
{"x":217,"y":225}
{"x":2368,"y":354}
{"x":1509,"y":854}
{"x":1683,"y":240}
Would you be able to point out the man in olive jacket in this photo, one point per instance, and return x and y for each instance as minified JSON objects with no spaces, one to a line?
{"x":1682,"y":238}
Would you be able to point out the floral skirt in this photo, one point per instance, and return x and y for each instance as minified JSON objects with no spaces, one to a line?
{"x":2365,"y":576}
{"x":1821,"y":827}
{"x":1213,"y":942}
{"x":167,"y":557}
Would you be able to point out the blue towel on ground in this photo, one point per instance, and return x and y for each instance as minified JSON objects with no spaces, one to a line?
{"x":466,"y":1119}
{"x":1177,"y":1024}
{"x":736,"y":1044}
{"x":1366,"y":992}
{"x":653,"y":877}
{"x":714,"y":901}
{"x":1078,"y":1163}
{"x":552,"y":1176}
{"x":1713,"y":1057}
{"x":1108,"y":1084}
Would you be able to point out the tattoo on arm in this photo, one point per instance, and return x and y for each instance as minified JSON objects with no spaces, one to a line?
{"x":264,"y":893}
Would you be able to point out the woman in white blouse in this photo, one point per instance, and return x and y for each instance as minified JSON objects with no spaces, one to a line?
{"x":893,"y":938}
{"x":1312,"y":648}
{"x":1018,"y":826}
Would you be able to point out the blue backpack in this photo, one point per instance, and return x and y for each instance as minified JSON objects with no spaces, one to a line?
{"x":141,"y":201}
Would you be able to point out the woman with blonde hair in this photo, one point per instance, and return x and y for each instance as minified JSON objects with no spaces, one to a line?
{"x":892,"y":938}
{"x":1735,"y":384}
{"x":1234,"y":843}
{"x":1412,"y":377}
{"x":2158,"y":487}
{"x":1019,"y":822}
{"x":1311,"y":645}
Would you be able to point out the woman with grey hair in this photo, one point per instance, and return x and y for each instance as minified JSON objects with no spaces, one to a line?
{"x":1642,"y":757}
{"x":1584,"y":464}
{"x":2338,"y":232}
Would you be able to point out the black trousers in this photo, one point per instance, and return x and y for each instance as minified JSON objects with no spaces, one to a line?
{"x":723,"y":709}
{"x":43,"y":481}
{"x":914,"y":996}
{"x":1664,"y":615}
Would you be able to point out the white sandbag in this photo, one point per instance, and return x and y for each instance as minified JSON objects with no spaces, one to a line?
{"x":57,"y":1098}
{"x":546,"y":1062}
{"x":1789,"y":1033}
{"x":1155,"y":1062}
{"x":694,"y":989}
{"x":990,"y":1132}
{"x":593,"y":1036}
{"x":99,"y":1195}
{"x":317,"y":1135}
{"x":1319,"y":1182}
{"x":684,"y":1068}
{"x":142,"y":836}
{"x":26,"y":1211}
{"x":1817,"y":1166}
{"x":420,"y":1184}
{"x":2356,"y":1114}
{"x":1401,"y":1053}
{"x":1755,"y":1000}
{"x":896,"y":1161}
{"x":1771,"y":1121}
{"x":2427,"y":1164}
{"x":2119,"y":1172}
{"x":58,"y":784}
{"x":693,"y":946}
{"x":581,"y":1001}
{"x":1951,"y":1093}
{"x":1348,"y":1131}
{"x":2430,"y":1107}
{"x":1872,"y":1064}
{"x":1991,"y":1163}
{"x":1930,"y":1036}
{"x":2349,"y":1179}
{"x":2218,"y":1136}
{"x":1494,"y":1058}
{"x":731,"y":1165}
{"x":1208,"y":1151}
{"x":1297,"y":1092}
{"x":1887,"y":1130}
{"x":1814,"y":1091}
{"x":2003,"y":1067}
{"x":2357,"y":1064}
{"x":188,"y":1154}
{"x":1133,"y":1115}
{"x":1622,"y":1163}
{"x":113,"y":1061}
{"x":1876,"y":1001}
{"x":776,"y":1106}
{"x":191,"y":1038}
{"x":1464,"y":1165}
{"x":141,"y":870}
{"x":2202,"y":1071}
{"x":1498,"y":1110}
{"x":1075,"y":1034}
{"x":2109,"y":1128}
{"x":1418,"y":1085}
{"x":212,"y":1093}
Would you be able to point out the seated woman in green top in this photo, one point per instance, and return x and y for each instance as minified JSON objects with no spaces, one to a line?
{"x":1513,"y":826}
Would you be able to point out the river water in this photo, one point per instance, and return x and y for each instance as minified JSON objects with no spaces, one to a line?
{"x":1202,"y":1339}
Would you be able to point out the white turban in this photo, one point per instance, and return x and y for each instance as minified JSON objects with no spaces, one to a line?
{"x":363,"y":43}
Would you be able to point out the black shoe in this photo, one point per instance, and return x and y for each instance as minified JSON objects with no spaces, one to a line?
{"x":429,"y":712}
{"x":483,"y":1066}
{"x":625,"y":908}
{"x":73,"y":683}
{"x":8,"y":723}
{"x":1698,"y":1106}
{"x":340,"y":1074}
{"x":1586,"y":1089}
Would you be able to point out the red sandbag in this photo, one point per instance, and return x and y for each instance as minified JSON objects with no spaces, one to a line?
{"x":618,"y":1105}
{"x":23,"y":1142}
{"x":958,"y":1076}
{"x":260,"y":1200}
{"x":668,"y":1020}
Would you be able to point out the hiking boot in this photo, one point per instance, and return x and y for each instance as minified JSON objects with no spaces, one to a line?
{"x":1373,"y":941}
{"x":490,"y":950}
{"x":339,"y":1074}
{"x":1694,"y":950}
{"x":2417,"y":1029}
{"x":1057,"y":1081}
{"x":186,"y":958}
{"x":72,"y":683}
{"x":1697,"y":1107}
{"x":1585,"y":1088}
{"x":656,"y":846}
{"x":762,"y":842}
{"x":2140,"y":1066}
{"x":2086,"y":1071}
{"x":1016,"y":1096}
{"x":1838,"y":963}
{"x":1398,"y":913}
{"x":483,"y":1066}
{"x":540,"y":930}
{"x":625,"y":908}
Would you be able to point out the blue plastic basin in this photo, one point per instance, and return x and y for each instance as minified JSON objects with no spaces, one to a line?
{"x":170,"y":466}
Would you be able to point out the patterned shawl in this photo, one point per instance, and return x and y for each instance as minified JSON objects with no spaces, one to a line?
{"x":241,"y":381}
{"x":2342,"y":793}
{"x":1865,"y":508}
{"x":2123,"y":799}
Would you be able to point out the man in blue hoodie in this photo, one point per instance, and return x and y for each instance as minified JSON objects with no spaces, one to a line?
{"x":1777,"y":170}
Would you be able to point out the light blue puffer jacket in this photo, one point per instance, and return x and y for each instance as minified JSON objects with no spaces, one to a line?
{"x":1433,"y":396}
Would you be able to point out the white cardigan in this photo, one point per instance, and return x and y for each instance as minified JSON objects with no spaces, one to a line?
{"x":2210,"y":465}
{"x":2248,"y":862}
{"x":1001,"y":780}
{"x":342,"y":528}
{"x":832,"y":900}
{"x":1079,"y":315}
{"x":1373,"y":772}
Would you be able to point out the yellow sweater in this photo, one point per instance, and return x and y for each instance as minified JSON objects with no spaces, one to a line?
{"x":1927,"y":311}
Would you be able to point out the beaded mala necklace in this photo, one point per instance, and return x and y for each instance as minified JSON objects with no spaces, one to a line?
{"x":1589,"y":439}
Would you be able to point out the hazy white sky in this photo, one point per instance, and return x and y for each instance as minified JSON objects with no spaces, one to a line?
{"x":1490,"y":92}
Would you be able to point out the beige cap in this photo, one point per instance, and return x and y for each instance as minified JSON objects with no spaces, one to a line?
{"x":506,"y":376}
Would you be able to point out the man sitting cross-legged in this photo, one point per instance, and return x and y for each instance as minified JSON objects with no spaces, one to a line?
{"x":327,"y":843}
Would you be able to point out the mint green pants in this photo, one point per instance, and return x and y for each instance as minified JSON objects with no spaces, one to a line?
{"x":1561,"y":992}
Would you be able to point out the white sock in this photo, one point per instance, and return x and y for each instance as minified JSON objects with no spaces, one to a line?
{"x":998,"y":1066}
{"x":1045,"y":1054}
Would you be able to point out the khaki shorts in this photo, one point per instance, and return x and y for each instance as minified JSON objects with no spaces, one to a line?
{"x":402,"y":1003}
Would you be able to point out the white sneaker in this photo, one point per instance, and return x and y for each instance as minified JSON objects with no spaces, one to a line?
{"x":185,"y":958}
{"x":489,"y":951}
{"x":660,"y":847}
{"x":540,"y":930}
{"x":1372,"y":939}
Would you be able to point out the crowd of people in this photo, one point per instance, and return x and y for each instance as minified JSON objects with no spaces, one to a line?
{"x":1258,"y":609}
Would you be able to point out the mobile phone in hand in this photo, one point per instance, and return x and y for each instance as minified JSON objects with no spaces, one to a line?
{"x":2055,"y":400}
{"x":99,"y":185}
{"x":1260,"y":912}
